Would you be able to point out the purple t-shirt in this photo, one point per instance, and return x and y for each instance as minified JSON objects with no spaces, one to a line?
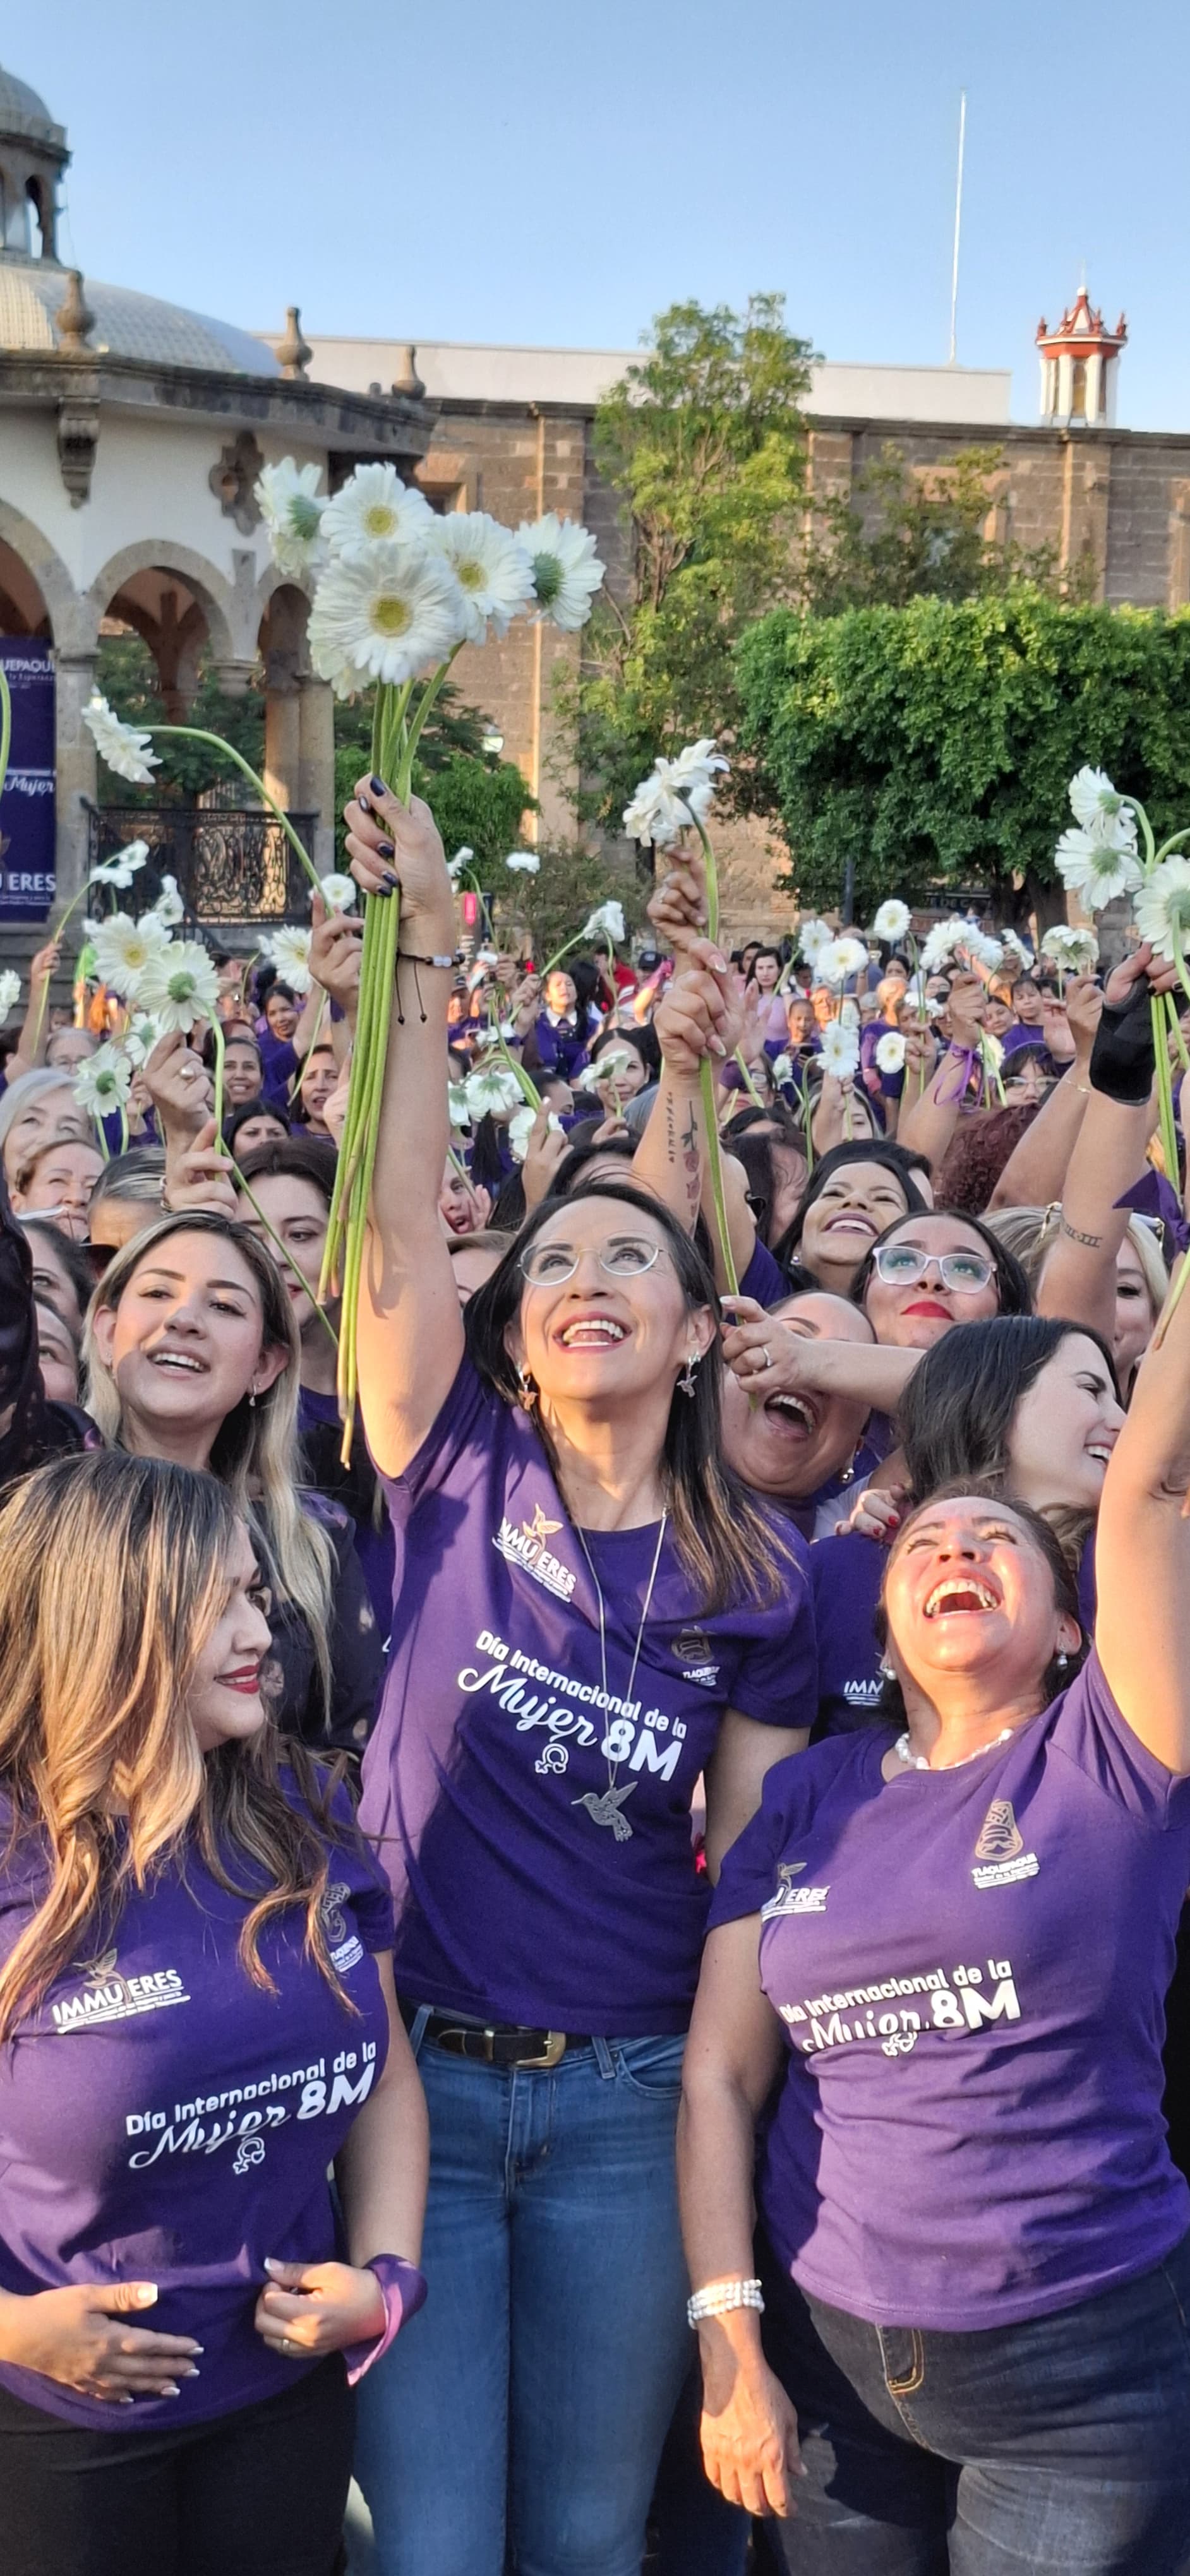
{"x":846,"y":1574}
{"x":163,"y":2118}
{"x":536,"y":1830}
{"x":970,"y":1966}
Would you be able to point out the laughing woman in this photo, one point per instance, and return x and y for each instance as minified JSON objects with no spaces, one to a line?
{"x":589,"y":1612}
{"x":974,"y":2240}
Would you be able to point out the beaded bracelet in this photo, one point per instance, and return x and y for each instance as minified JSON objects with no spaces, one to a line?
{"x":718,"y":2298}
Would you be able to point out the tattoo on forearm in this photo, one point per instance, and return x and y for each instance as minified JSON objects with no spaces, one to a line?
{"x":671,"y":1133}
{"x":1076,"y":1235}
{"x":692,"y":1161}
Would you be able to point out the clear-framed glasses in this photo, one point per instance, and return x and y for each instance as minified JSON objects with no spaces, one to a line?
{"x":1154,"y":1225}
{"x":623,"y":1256}
{"x":901,"y":1265}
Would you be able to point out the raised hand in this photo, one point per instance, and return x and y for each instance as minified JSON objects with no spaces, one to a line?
{"x":179,"y":1086}
{"x":678,"y":908}
{"x":335,"y":954}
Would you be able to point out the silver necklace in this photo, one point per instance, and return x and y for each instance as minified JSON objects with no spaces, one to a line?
{"x":607,"y":1808}
{"x":920,"y":1762}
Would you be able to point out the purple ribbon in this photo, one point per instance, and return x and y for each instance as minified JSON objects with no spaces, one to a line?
{"x":966,"y":1057}
{"x":1154,"y":1195}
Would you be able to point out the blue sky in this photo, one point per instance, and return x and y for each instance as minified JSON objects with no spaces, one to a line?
{"x":537,"y":170}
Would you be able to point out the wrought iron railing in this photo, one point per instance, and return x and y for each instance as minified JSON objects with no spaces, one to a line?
{"x":231,"y":864}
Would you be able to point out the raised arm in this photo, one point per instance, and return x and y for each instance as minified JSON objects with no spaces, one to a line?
{"x":1036,"y":1169}
{"x":410,"y":1332}
{"x":695,"y":1018}
{"x":1079,"y":1280}
{"x":35,"y":1027}
{"x":1142,"y":1552}
{"x":927,"y":1123}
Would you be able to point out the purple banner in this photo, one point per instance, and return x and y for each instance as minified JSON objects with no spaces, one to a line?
{"x":27,"y":806}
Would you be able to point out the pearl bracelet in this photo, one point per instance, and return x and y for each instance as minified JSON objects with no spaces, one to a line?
{"x":719,"y":2297}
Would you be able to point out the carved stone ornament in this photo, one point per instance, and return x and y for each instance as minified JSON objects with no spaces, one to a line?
{"x":74,"y":318}
{"x":293,"y":353}
{"x":233,"y":481}
{"x":407,"y":380}
{"x":78,"y":438}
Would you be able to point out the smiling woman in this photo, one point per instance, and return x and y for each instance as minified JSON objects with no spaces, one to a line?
{"x":855,"y":1192}
{"x":593,"y":1611}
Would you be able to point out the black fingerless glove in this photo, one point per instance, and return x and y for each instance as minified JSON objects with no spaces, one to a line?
{"x":1122,"y":1062}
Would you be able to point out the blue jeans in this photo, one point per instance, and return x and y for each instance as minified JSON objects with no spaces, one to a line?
{"x":526,"y":2408}
{"x":1061,"y":2443}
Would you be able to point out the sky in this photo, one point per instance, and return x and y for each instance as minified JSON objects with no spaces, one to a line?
{"x":537,"y":171}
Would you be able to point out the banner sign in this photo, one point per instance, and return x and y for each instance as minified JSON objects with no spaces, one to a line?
{"x":27,"y":806}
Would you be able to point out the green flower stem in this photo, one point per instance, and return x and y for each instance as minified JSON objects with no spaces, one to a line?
{"x":458,"y":1166}
{"x":218,"y":1043}
{"x":278,"y":1246}
{"x":707,"y":1078}
{"x":123,"y":1128}
{"x":194,"y":733}
{"x":749,"y":1085}
{"x":1165,"y":1115}
{"x":808,"y":1120}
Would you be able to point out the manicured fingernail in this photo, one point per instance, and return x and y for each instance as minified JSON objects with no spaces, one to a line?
{"x":382,"y":893}
{"x":378,"y":787}
{"x":191,"y":2374}
{"x":719,"y":963}
{"x":392,"y":880}
{"x":363,"y":804}
{"x":385,"y":849}
{"x":170,"y":2388}
{"x":146,"y":2296}
{"x":717,"y":1047}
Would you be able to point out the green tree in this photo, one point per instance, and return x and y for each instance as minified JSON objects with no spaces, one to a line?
{"x":126,"y":675}
{"x":897,"y":536}
{"x":554,"y":904}
{"x":703,"y":441}
{"x":933,"y":744}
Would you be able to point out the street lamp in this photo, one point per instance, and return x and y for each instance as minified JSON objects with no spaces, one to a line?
{"x":492,"y":742}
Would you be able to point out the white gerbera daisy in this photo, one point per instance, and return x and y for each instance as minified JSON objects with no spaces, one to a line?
{"x":1015,"y":951}
{"x":462,"y":859}
{"x":653,"y":817}
{"x":839,"y":1050}
{"x":179,"y":987}
{"x":490,"y":566}
{"x":456,"y":1105}
{"x":674,"y":790}
{"x":987,"y":951}
{"x":566,"y":569}
{"x":1076,"y":950}
{"x":338,"y":893}
{"x":140,"y":1037}
{"x":122,"y":867}
{"x":698,"y":764}
{"x":103,"y":1081}
{"x":10,"y":993}
{"x":890,"y":1053}
{"x":892,"y":921}
{"x":1163,"y":908}
{"x":492,"y":1091}
{"x":289,"y":951}
{"x":125,"y":750}
{"x":606,"y":922}
{"x":523,"y":863}
{"x":1096,"y":870}
{"x":938,"y":947}
{"x":169,"y":906}
{"x":1100,"y":808}
{"x":374,"y":506}
{"x":608,"y":1067}
{"x":815,"y":934}
{"x":836,"y":959}
{"x":991,"y":1050}
{"x":292,"y":509}
{"x":123,"y":948}
{"x":782,"y":1069}
{"x":520,"y":1128}
{"x":382,"y":614}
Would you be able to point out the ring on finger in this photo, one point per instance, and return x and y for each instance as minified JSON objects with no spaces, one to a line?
{"x":287,"y":2345}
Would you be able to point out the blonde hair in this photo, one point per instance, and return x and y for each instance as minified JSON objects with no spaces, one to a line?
{"x":113,"y":1574}
{"x":1031,"y":1232}
{"x":256,"y":1451}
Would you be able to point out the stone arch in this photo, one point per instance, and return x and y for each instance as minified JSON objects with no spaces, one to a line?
{"x":220,"y":604}
{"x":71,"y":630}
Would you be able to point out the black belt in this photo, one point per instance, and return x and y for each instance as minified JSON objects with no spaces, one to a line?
{"x":488,"y":2043}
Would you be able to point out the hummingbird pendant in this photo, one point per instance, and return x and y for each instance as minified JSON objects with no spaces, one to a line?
{"x":606,"y":1810}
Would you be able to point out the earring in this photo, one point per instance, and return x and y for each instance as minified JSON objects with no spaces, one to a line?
{"x":526,"y":1389}
{"x":1063,"y":1660}
{"x":886,"y":1670}
{"x":848,"y":1475}
{"x":687,"y":1381}
{"x":252,"y":1397}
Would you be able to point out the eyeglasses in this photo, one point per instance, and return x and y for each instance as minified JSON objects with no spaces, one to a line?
{"x":1154,"y":1225}
{"x":900,"y":1266}
{"x":550,"y":1265}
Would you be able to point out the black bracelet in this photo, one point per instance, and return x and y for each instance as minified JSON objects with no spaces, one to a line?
{"x":415,"y":960}
{"x":412,"y":958}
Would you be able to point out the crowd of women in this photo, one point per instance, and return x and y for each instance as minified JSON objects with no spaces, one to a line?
{"x":611,"y":1965}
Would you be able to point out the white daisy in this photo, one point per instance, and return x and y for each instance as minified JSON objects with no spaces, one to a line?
{"x":492,"y":1091}
{"x":289,"y":951}
{"x":698,"y":764}
{"x":991,"y":1050}
{"x":1016,"y":952}
{"x":140,"y":1037}
{"x":606,"y":922}
{"x":10,"y":993}
{"x":782,"y":1069}
{"x":836,"y":959}
{"x":890,"y":1053}
{"x":169,"y":906}
{"x":938,"y":947}
{"x":374,"y":506}
{"x":653,"y":817}
{"x":1096,"y":870}
{"x":523,"y":863}
{"x":490,"y":566}
{"x":125,"y":750}
{"x":122,"y":866}
{"x":103,"y":1081}
{"x":674,"y":790}
{"x":989,"y":952}
{"x":1163,"y":908}
{"x":383,"y":614}
{"x":892,"y":921}
{"x":520,"y":1128}
{"x":608,"y":1067}
{"x":292,"y":509}
{"x":338,"y":893}
{"x":1077,"y":950}
{"x":814,"y":935}
{"x":179,"y":987}
{"x":123,"y":948}
{"x":566,"y":569}
{"x":1100,"y":808}
{"x":462,"y":859}
{"x":839,"y":1050}
{"x":456,"y":1105}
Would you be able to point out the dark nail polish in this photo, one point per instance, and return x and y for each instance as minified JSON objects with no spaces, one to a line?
{"x":385,"y":849}
{"x":383,"y":894}
{"x":363,"y":804}
{"x":378,"y":787}
{"x":392,"y":880}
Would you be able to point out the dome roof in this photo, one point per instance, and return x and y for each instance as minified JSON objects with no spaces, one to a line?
{"x":23,"y":112}
{"x":126,"y":325}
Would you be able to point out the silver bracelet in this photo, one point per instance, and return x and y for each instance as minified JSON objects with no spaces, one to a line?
{"x":718,"y":2298}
